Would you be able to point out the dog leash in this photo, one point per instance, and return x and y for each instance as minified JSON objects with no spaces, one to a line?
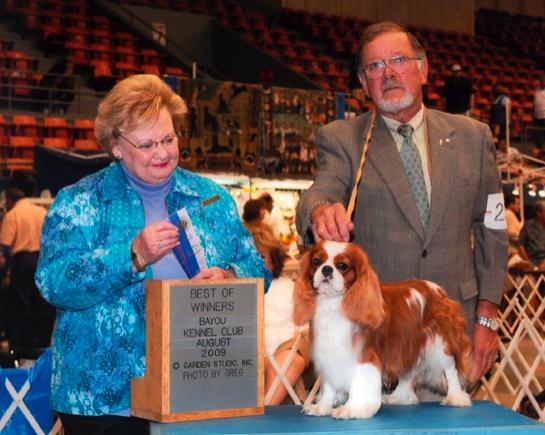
{"x":359,"y":174}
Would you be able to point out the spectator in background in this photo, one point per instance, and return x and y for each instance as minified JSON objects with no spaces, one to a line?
{"x":58,"y":87}
{"x":539,"y":118}
{"x":280,"y":331}
{"x":29,"y":319}
{"x":458,"y":93}
{"x":500,"y":112}
{"x":532,"y":237}
{"x":272,"y":218}
{"x":253,"y":215}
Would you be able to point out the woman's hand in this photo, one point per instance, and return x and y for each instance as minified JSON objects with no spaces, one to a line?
{"x":154,"y":241}
{"x":215,"y":273}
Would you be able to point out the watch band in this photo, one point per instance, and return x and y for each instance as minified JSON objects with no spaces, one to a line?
{"x":312,"y":208}
{"x":491,"y":323}
{"x":308,"y":235}
{"x":134,"y":257}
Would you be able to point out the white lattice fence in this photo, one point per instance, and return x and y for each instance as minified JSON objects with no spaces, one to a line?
{"x":517,"y":375}
{"x":524,"y":301}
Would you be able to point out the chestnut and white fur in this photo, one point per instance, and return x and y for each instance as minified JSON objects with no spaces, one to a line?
{"x":364,"y":333}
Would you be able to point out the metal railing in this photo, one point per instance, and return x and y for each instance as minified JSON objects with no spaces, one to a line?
{"x":530,"y":131}
{"x":23,"y":89}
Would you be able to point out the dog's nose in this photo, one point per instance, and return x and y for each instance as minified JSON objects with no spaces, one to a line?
{"x":327,"y":271}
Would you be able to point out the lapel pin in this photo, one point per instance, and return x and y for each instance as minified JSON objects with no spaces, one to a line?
{"x":210,"y":200}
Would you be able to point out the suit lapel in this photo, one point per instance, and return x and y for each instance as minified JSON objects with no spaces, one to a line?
{"x":385,"y":158}
{"x":443,"y":169}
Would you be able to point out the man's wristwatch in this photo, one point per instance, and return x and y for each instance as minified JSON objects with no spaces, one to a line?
{"x":491,"y":323}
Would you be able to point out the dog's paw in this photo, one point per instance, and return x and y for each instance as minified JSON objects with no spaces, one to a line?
{"x":366,"y":410}
{"x":406,"y":398}
{"x":316,"y":410}
{"x":460,"y":398}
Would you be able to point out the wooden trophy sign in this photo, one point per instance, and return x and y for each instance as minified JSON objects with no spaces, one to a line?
{"x":204,"y":351}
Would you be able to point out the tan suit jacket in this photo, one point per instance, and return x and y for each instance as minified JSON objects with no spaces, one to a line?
{"x":457,"y":250}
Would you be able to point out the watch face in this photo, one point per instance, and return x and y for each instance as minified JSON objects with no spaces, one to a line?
{"x":491,"y":323}
{"x":494,"y":324}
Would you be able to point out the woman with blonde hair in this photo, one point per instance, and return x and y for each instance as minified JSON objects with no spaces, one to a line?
{"x":106,"y":234}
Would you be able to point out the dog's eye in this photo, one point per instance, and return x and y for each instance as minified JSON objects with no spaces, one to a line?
{"x":341,"y":266}
{"x":316,"y":262}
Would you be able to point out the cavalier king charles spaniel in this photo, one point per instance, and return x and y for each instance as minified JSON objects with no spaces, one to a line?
{"x":365,"y":333}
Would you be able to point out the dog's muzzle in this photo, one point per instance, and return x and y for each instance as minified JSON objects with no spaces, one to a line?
{"x":327,"y":271}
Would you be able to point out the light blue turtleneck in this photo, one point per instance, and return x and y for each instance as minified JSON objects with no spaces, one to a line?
{"x":153,"y":198}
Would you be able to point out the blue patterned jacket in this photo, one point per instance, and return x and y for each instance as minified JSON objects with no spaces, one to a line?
{"x":85,"y":270}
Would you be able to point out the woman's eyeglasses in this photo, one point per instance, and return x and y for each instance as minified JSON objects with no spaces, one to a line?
{"x":151,"y":145}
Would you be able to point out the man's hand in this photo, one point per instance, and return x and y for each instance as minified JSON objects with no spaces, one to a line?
{"x":330,"y":222}
{"x":485,"y":342}
{"x":485,"y":351}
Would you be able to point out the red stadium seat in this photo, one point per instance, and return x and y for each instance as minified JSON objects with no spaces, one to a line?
{"x":86,"y":144}
{"x":25,"y":125}
{"x":22,"y":147}
{"x":124,"y":39}
{"x":77,"y":52}
{"x":19,"y":60}
{"x":151,"y":69}
{"x":151,"y":56}
{"x":126,"y":54}
{"x":101,"y":36}
{"x":125,"y":69}
{"x":175,"y":71}
{"x":56,"y":127}
{"x":56,"y":142}
{"x":84,"y":129}
{"x":101,"y":52}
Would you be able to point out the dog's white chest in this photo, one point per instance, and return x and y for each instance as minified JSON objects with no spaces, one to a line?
{"x":332,"y":348}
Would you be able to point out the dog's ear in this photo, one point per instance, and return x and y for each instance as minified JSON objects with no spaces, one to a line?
{"x":304,"y":297}
{"x":363,"y":302}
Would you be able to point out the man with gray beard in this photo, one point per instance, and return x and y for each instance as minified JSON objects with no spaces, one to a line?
{"x":417,"y":188}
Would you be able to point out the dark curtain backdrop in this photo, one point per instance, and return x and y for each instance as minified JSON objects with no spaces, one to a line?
{"x":56,"y":169}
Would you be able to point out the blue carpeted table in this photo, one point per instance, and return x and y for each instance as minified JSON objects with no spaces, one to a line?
{"x":430,"y":418}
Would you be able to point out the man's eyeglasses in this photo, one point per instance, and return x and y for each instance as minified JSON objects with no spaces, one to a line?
{"x":399,"y":64}
{"x":151,"y":145}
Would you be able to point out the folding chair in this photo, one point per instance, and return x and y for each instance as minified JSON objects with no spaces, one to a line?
{"x":298,"y":392}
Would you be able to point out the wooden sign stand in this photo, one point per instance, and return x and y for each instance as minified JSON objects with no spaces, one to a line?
{"x":204,"y":351}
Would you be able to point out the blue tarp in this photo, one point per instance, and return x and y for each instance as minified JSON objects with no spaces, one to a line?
{"x":32,"y":415}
